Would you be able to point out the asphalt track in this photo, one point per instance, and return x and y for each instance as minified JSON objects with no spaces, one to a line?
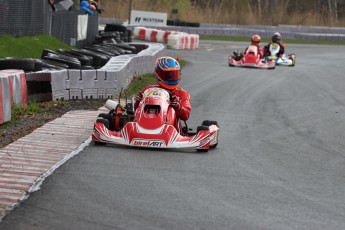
{"x":280,"y":162}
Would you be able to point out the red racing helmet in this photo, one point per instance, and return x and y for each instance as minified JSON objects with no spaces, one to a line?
{"x":167,"y":72}
{"x":255,"y":41}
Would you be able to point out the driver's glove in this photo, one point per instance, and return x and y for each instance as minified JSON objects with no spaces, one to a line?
{"x":175,"y":103}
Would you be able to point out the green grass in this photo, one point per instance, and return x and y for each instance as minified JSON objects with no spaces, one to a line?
{"x":266,"y":40}
{"x":32,"y":109}
{"x":28,"y":46}
{"x":139,"y":82}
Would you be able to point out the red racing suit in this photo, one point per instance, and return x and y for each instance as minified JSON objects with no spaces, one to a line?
{"x":182,"y":95}
{"x":281,"y":50}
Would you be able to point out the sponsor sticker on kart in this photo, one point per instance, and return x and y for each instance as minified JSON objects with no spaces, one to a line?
{"x":148,"y":143}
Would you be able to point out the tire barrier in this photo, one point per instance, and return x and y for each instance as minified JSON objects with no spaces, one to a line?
{"x":102,"y":83}
{"x":56,"y":80}
{"x":173,"y":39}
{"x":12,"y":91}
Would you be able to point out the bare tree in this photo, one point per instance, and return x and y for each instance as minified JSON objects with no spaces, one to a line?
{"x":259,"y":9}
{"x":330,"y":12}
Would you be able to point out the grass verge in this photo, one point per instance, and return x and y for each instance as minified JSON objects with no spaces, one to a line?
{"x":32,"y":109}
{"x":28,"y":46}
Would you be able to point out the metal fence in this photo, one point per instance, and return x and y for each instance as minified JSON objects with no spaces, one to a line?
{"x":65,"y":26}
{"x":23,"y":17}
{"x":34,"y":17}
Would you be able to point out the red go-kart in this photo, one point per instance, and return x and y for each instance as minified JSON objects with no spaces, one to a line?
{"x":153,"y":125}
{"x":251,"y":59}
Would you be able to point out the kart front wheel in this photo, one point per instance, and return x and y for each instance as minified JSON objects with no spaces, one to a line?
{"x":198,"y":129}
{"x":202,"y":150}
{"x":209,"y":123}
{"x":106,"y":124}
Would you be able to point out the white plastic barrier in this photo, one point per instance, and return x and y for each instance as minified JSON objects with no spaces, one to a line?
{"x":174,"y":41}
{"x":180,"y":40}
{"x":12,"y":91}
{"x":160,"y":36}
{"x":5,"y":99}
{"x":17,"y":85}
{"x":193,"y":41}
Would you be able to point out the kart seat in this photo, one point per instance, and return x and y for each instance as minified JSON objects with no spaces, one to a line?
{"x":252,"y":50}
{"x":152,"y":109}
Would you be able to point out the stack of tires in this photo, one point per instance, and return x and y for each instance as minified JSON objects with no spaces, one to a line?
{"x":126,"y":35}
{"x":110,"y":42}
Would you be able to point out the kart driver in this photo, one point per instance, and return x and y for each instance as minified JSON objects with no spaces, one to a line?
{"x":276,"y":38}
{"x":167,"y":72}
{"x":254,"y":41}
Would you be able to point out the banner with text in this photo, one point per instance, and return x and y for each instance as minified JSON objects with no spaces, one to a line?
{"x":146,"y":18}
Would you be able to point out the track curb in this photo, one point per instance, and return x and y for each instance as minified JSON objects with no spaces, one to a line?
{"x":25,"y":165}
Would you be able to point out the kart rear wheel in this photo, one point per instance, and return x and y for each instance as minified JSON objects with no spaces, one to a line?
{"x":209,"y":123}
{"x":202,"y":127}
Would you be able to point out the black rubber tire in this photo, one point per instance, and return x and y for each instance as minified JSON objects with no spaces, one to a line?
{"x":25,"y":64}
{"x":38,"y":65}
{"x":117,"y":49}
{"x":114,"y":27}
{"x":202,"y":127}
{"x":132,"y":47}
{"x":97,"y":51}
{"x":103,"y":121}
{"x":209,"y":123}
{"x":214,"y":146}
{"x":130,"y":35}
{"x":114,"y":52}
{"x":84,"y":60}
{"x":106,"y":41}
{"x":110,"y":118}
{"x":61,"y":59}
{"x":202,"y":150}
{"x":46,"y":52}
{"x":98,"y":60}
{"x":53,"y":65}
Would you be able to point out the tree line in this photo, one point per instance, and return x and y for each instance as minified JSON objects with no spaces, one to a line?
{"x":263,"y":12}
